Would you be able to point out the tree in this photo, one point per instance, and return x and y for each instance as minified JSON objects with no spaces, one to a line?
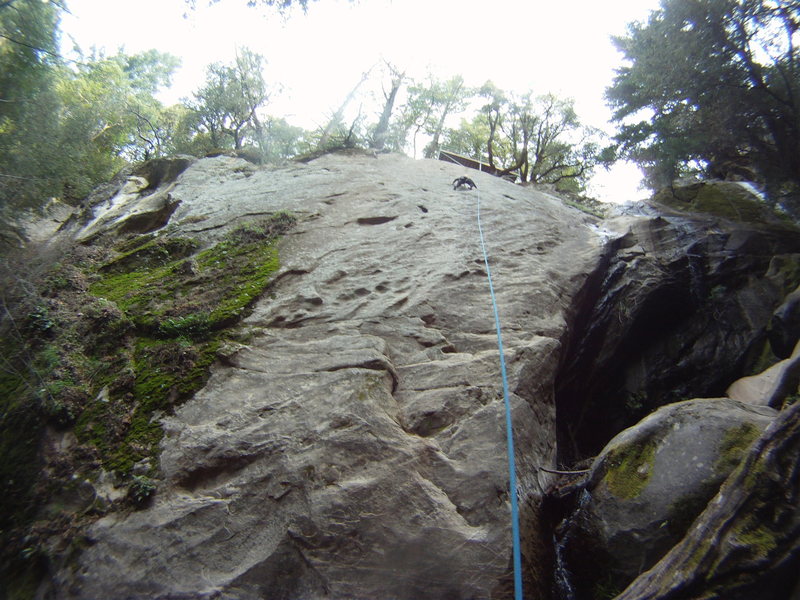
{"x":66,"y":126}
{"x":445,"y":98}
{"x":428,"y":107}
{"x":28,"y":100}
{"x":492,"y":112}
{"x":281,"y":140}
{"x":547,"y":141}
{"x":226,"y":107}
{"x":713,"y":86}
{"x":335,"y":132}
{"x":381,"y":132}
{"x":470,"y":139}
{"x":108,"y":116}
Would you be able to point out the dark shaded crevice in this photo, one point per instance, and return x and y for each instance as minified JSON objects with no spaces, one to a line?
{"x":161,"y":171}
{"x":673,"y":311}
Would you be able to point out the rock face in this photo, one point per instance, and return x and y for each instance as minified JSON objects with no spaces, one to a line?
{"x":352,"y":443}
{"x":354,"y":447}
{"x":680,"y":307}
{"x":143,"y":204}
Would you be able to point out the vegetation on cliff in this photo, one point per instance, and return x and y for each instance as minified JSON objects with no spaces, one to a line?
{"x":98,"y":342}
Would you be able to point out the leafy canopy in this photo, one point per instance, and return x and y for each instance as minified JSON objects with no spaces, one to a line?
{"x":712,"y":87}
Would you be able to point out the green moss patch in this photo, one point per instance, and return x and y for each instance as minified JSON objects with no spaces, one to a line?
{"x":112,"y":339}
{"x":629,"y":468}
{"x":179,"y":305}
{"x":149,"y":251}
{"x":734,"y":445}
{"x":193,"y":295}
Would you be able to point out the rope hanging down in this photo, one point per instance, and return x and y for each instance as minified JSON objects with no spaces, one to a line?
{"x":512,"y":469}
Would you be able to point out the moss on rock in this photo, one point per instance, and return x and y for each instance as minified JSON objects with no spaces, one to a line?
{"x":179,"y":317}
{"x":734,"y":445}
{"x":725,"y":199}
{"x":629,"y":467}
{"x":107,"y":353}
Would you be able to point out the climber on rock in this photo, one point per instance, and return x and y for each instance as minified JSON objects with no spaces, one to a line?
{"x":463,"y":182}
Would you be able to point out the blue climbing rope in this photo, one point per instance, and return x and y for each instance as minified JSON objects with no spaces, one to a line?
{"x":512,"y":469}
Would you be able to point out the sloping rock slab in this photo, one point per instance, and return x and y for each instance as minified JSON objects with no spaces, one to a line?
{"x":354,"y":446}
{"x":773,"y":386}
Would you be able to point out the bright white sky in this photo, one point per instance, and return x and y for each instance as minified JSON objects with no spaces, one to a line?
{"x":539,"y":45}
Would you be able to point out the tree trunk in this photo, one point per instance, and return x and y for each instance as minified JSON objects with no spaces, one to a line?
{"x":379,"y":137}
{"x":337,"y":116}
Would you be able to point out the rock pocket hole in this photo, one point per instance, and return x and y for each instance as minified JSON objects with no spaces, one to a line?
{"x":375,"y":220}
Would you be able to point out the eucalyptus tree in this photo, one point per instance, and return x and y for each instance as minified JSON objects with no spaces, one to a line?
{"x":109,"y":116}
{"x":67,"y":125}
{"x":492,"y":112}
{"x":469,"y":138}
{"x":338,"y":133}
{"x":712,"y":86}
{"x":429,"y":105}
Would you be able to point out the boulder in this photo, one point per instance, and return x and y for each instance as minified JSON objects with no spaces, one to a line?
{"x":746,"y":543}
{"x":784,"y":328}
{"x":732,"y":200}
{"x":648,"y":485}
{"x":142,"y":204}
{"x":773,"y":387}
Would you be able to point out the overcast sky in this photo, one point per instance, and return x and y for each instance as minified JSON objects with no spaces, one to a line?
{"x":521,"y":45}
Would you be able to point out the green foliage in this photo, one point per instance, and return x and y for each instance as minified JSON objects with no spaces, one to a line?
{"x":225,"y":108}
{"x":549,"y":145}
{"x":66,"y":128}
{"x":731,"y":108}
{"x":141,"y":490}
{"x":470,"y":139}
{"x":427,"y":108}
{"x":539,"y":138}
{"x":28,"y":102}
{"x":193,"y":326}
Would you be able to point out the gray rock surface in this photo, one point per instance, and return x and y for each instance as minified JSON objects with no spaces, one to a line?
{"x":772,"y":387}
{"x":649,"y":484}
{"x":351,"y":444}
{"x":354,"y":447}
{"x":143,"y":203}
